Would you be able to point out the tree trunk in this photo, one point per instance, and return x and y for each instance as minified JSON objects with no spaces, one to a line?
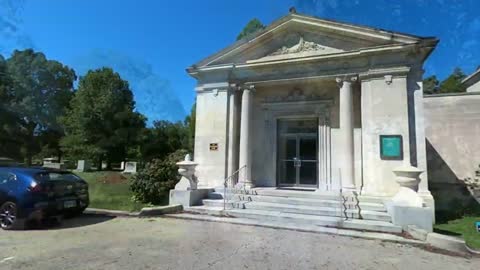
{"x":99,"y":165}
{"x":59,"y":155}
{"x":30,"y":143}
{"x":29,"y":159}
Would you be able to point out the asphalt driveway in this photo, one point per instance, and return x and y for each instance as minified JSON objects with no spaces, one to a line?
{"x":95,"y":242}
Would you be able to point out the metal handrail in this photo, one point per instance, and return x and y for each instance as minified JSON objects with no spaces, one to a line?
{"x":225,"y":184}
{"x":344,"y":198}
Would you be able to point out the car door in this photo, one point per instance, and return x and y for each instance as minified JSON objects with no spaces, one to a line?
{"x":4,"y":186}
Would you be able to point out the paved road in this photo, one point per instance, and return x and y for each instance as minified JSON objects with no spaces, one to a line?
{"x":92,"y":242}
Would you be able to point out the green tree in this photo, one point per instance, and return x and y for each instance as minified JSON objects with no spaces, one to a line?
{"x":101,"y":123}
{"x":252,"y":26}
{"x":164,"y":138}
{"x":453,"y":84}
{"x":8,"y":122}
{"x":40,"y":92}
{"x":430,"y":85}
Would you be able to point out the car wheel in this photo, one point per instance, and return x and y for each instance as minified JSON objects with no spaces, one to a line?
{"x":9,"y":217}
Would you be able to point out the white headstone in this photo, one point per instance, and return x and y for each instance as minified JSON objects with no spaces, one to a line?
{"x":83,"y":166}
{"x":130,"y":167}
{"x":49,"y":160}
{"x":54,"y":165}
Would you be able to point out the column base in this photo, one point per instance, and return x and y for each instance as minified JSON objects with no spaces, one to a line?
{"x":349,"y":189}
{"x":246,"y":185}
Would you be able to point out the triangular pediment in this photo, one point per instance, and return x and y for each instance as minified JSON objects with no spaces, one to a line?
{"x":297,"y":36}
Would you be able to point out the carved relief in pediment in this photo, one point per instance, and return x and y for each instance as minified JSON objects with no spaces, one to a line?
{"x":300,"y":49}
{"x":301,"y":46}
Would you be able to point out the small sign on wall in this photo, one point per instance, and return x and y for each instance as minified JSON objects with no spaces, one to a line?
{"x":213,"y":146}
{"x":391,"y":147}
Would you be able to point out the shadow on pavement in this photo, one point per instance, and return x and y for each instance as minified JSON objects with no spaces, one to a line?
{"x":74,"y":222}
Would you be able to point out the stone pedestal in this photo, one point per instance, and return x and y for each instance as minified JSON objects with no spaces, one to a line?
{"x":188,"y":197}
{"x":186,"y":169}
{"x":186,"y":192}
{"x":403,"y":216}
{"x":408,"y":179}
{"x":407,"y":207}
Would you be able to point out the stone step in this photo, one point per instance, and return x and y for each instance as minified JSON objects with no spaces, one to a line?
{"x":298,"y":201}
{"x":277,"y":199}
{"x":298,"y":219}
{"x":288,"y":193}
{"x":300,"y":209}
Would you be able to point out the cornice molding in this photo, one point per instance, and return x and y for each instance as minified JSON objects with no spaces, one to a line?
{"x":385,"y":73}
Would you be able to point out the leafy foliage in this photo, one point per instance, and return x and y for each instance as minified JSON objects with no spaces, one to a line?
{"x":164,"y":138}
{"x":453,"y":84}
{"x":252,"y":26}
{"x":8,"y":122}
{"x":152,"y":183}
{"x":38,"y":92}
{"x":101,"y":123}
{"x":430,"y":85}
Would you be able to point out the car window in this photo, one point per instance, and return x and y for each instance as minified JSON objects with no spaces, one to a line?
{"x":6,"y":177}
{"x":57,"y":176}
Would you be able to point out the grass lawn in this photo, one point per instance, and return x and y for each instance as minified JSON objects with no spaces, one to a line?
{"x":464,"y":227}
{"x":113,"y":196}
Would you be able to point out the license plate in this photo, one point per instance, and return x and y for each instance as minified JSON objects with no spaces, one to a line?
{"x":69,"y":204}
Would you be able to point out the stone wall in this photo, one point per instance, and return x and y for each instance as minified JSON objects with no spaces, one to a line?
{"x":452,"y":127}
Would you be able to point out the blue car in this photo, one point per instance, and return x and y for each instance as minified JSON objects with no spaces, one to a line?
{"x":28,"y":194}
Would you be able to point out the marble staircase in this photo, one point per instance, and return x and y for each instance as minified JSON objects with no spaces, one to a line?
{"x":298,"y":207}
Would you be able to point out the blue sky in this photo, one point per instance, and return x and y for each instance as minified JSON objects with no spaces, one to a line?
{"x":150,"y":43}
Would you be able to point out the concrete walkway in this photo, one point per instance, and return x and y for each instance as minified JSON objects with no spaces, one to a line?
{"x":93,"y":242}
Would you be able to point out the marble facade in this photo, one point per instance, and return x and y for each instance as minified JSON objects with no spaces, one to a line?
{"x":354,"y":82}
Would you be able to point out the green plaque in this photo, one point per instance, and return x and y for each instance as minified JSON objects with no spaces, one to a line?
{"x":391,"y":147}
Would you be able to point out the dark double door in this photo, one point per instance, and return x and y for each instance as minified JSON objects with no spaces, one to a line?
{"x":297,"y":153}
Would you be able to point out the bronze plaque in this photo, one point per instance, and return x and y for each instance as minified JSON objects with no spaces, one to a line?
{"x":213,"y":146}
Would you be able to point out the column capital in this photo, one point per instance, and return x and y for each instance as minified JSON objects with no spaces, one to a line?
{"x":347,"y":79}
{"x":249,"y":87}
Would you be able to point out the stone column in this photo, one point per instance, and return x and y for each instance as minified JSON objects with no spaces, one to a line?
{"x":232,"y":133}
{"x":346,"y":133}
{"x":245,"y":175}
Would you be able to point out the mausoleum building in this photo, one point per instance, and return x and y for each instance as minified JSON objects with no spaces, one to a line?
{"x":313,"y":106}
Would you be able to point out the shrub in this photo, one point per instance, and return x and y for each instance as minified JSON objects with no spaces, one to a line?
{"x":152,"y":183}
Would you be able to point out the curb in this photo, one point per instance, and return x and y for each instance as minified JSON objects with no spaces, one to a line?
{"x":472,"y":250}
{"x":145,"y":212}
{"x":445,"y":242}
{"x":112,"y":213}
{"x":160,"y":210}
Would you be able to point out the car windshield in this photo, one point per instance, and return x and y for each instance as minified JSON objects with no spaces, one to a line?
{"x":56,"y":176}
